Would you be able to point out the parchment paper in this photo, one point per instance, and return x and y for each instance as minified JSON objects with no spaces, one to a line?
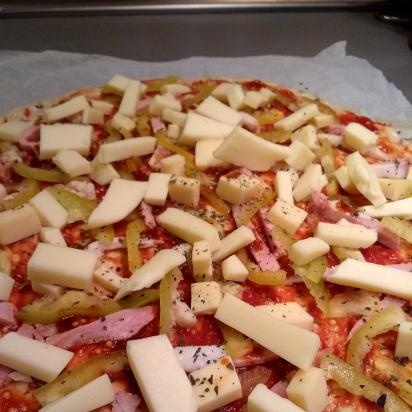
{"x":348,"y":81}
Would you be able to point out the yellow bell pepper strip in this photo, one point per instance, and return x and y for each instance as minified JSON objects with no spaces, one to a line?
{"x":79,"y":208}
{"x":157,"y":84}
{"x":166,"y":292}
{"x":267,"y":277}
{"x":143,"y":124}
{"x":316,"y":268}
{"x":53,"y":175}
{"x":402,"y":228}
{"x":80,"y":375}
{"x":27,"y":189}
{"x":283,"y":238}
{"x":343,"y":253}
{"x":276,"y":136}
{"x":139,"y":298}
{"x":266,"y":118}
{"x":361,"y":385}
{"x":133,"y":231}
{"x":328,"y":159}
{"x":237,"y":345}
{"x":361,"y":341}
{"x":104,"y":235}
{"x":5,"y":261}
{"x":214,"y":200}
{"x":111,"y":131}
{"x":204,"y":91}
{"x":49,"y":310}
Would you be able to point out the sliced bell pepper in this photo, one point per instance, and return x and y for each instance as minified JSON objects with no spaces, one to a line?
{"x":53,"y":176}
{"x":104,"y":235}
{"x":156,"y":85}
{"x":133,"y":231}
{"x":214,"y":200}
{"x":27,"y":189}
{"x":139,"y":298}
{"x":237,"y":345}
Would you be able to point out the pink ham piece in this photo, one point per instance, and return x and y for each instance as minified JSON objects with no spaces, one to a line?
{"x":157,"y":125}
{"x":26,"y":330}
{"x":4,"y":376}
{"x":263,"y":256}
{"x":42,"y":332}
{"x":280,"y":388}
{"x":268,"y":227}
{"x":142,"y":104}
{"x":255,"y":359}
{"x":147,"y":213}
{"x":378,"y":154}
{"x":29,"y":140}
{"x":117,"y":326}
{"x":8,"y":314}
{"x":249,"y":122}
{"x":391,"y":170}
{"x":337,"y":129}
{"x":159,"y":153}
{"x":125,"y":402}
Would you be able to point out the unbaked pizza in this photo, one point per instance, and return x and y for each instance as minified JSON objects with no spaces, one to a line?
{"x":207,"y":245}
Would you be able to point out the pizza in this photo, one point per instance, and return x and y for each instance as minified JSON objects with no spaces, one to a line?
{"x":213,"y":244}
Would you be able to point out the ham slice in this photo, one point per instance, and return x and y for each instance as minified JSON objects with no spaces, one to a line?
{"x":26,"y":330}
{"x":117,"y":326}
{"x":42,"y":332}
{"x":159,"y":153}
{"x":337,"y":129}
{"x":147,"y":213}
{"x":263,"y":256}
{"x":280,"y":388}
{"x":8,"y":314}
{"x":142,"y":104}
{"x":29,"y":140}
{"x":249,"y":122}
{"x":157,"y":125}
{"x":125,"y":402}
{"x":391,"y":170}
{"x":4,"y":376}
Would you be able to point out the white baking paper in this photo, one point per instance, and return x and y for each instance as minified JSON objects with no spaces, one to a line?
{"x":348,"y":81}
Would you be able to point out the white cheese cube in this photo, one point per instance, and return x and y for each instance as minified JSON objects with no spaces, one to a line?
{"x":107,"y":277}
{"x":304,"y":251}
{"x":49,"y":210}
{"x":192,"y":358}
{"x":309,"y":390}
{"x":123,"y":149}
{"x":338,"y":235}
{"x":188,"y":227}
{"x":162,"y":381}
{"x":290,"y":312}
{"x":204,"y":157}
{"x":216,"y":385}
{"x":234,"y":241}
{"x":185,"y":190}
{"x":398,"y":208}
{"x":173,"y":131}
{"x":239,"y":189}
{"x":300,"y":156}
{"x":358,"y":137}
{"x":54,"y":138}
{"x":3,"y":191}
{"x":66,"y":109}
{"x":12,"y":130}
{"x":46,"y":289}
{"x":404,"y":341}
{"x":395,"y":189}
{"x":6,"y":286}
{"x":284,"y":188}
{"x":174,"y":116}
{"x":345,"y":182}
{"x":157,"y":189}
{"x":269,"y":94}
{"x":61,"y":266}
{"x":235,"y":96}
{"x":206,"y":298}
{"x":308,"y":183}
{"x":292,"y":343}
{"x":262,"y":399}
{"x":298,"y":118}
{"x":117,"y":84}
{"x":72,"y":163}
{"x":160,"y":102}
{"x":307,"y":136}
{"x":323,"y":120}
{"x":103,"y":174}
{"x":232,"y":288}
{"x":220,"y":91}
{"x":105,"y":107}
{"x":175,"y":88}
{"x":243,"y":148}
{"x":130,"y":98}
{"x":255,"y":99}
{"x":95,"y":394}
{"x":214,"y":109}
{"x":234,"y":269}
{"x":287,"y":216}
{"x":119,"y":122}
{"x":91,"y":115}
{"x":32,"y":357}
{"x":334,"y":139}
{"x":202,"y":260}
{"x":198,"y":127}
{"x":174,"y":165}
{"x":121,"y":198}
{"x":52,"y":235}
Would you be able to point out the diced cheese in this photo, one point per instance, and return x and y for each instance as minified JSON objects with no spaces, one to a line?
{"x":103,"y":174}
{"x":117,"y":84}
{"x":49,"y":210}
{"x":192,"y":358}
{"x":323,"y":119}
{"x":216,"y":385}
{"x":239,"y":189}
{"x":290,"y":312}
{"x":161,"y":102}
{"x":309,"y":390}
{"x":220,"y":91}
{"x":364,"y":178}
{"x":269,"y":94}
{"x":338,"y":235}
{"x":243,"y":148}
{"x":72,"y":163}
{"x":398,"y":208}
{"x":175,"y":89}
{"x":173,"y":131}
{"x":174,"y":116}
{"x":292,"y":343}
{"x":232,"y":288}
{"x":235,"y":96}
{"x":202,"y":261}
{"x":214,"y":109}
{"x":157,"y":189}
{"x":372,"y":277}
{"x":188,"y":227}
{"x":123,"y":149}
{"x":6,"y":286}
{"x":52,"y":235}
{"x":342,"y":176}
{"x":300,"y":156}
{"x":46,"y":289}
{"x":255,"y":99}
{"x":307,"y":136}
{"x":404,"y":341}
{"x":262,"y":399}
{"x":105,"y":107}
{"x":66,"y":109}
{"x":185,"y":190}
{"x":284,"y":189}
{"x":287,"y":216}
{"x":17,"y":224}
{"x":130,"y":98}
{"x":152,"y":271}
{"x":162,"y":381}
{"x":206,"y":298}
{"x":32,"y":357}
{"x":91,"y":115}
{"x":174,"y":165}
{"x":60,"y":265}
{"x":308,"y":183}
{"x":305,"y":250}
{"x":298,"y":118}
{"x":12,"y":130}
{"x":119,"y":121}
{"x":3,"y":191}
{"x":95,"y":394}
{"x":204,"y":157}
{"x":395,"y":189}
{"x":358,"y":137}
{"x":334,"y":139}
{"x":234,"y":269}
{"x":121,"y":198}
{"x":234,"y":241}
{"x":107,"y":277}
{"x":54,"y":138}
